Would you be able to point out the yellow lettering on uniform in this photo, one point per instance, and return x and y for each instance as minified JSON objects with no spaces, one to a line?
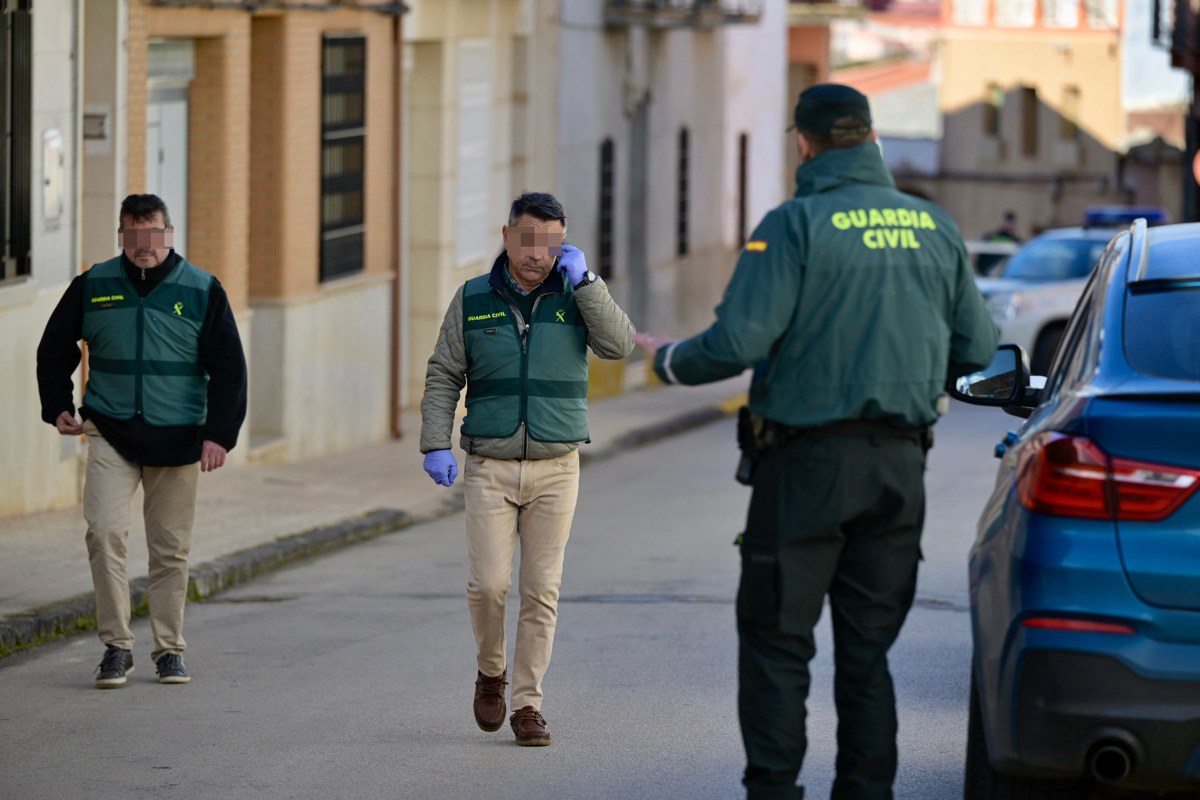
{"x":904,"y":217}
{"x":869,"y":239}
{"x":858,"y":218}
{"x":927,"y":221}
{"x":841,"y":221}
{"x":876,"y":218}
{"x":910,"y":240}
{"x":889,"y":216}
{"x":498,"y":314}
{"x":756,"y":246}
{"x":892,"y":237}
{"x":118,"y":297}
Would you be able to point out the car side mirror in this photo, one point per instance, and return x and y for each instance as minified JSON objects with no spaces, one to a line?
{"x":1003,"y":382}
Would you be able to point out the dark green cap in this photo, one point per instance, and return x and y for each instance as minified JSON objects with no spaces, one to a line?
{"x":822,"y":105}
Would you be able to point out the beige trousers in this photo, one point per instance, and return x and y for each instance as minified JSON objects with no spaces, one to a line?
{"x":531,"y":501}
{"x":169,"y":510}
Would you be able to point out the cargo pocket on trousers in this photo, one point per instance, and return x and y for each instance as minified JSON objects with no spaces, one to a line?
{"x":758,"y":592}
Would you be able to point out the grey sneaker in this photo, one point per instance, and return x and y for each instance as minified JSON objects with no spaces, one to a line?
{"x":171,"y":669}
{"x":115,"y":665}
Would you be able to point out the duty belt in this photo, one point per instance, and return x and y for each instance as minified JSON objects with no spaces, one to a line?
{"x":759,"y":436}
{"x":780,"y":434}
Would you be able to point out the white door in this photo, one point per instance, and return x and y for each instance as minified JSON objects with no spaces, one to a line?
{"x":166,"y":155}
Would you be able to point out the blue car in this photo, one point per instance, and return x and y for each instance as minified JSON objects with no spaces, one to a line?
{"x":1085,"y":573}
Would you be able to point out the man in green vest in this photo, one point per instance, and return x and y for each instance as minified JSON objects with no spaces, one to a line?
{"x":853,"y":303}
{"x":517,"y":338}
{"x":164,"y":399}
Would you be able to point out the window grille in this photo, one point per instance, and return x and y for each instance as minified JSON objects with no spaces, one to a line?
{"x":343,"y":154}
{"x":16,"y":155}
{"x":743,"y":167}
{"x":607,"y":172}
{"x":681,"y":205}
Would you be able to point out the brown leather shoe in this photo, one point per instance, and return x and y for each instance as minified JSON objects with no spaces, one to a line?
{"x":529,"y":727}
{"x":489,"y":701}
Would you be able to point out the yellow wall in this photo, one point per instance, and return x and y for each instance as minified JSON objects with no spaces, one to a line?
{"x":982,"y":176}
{"x":970,"y":60}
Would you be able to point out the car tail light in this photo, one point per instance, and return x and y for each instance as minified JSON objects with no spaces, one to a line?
{"x":1070,"y":476}
{"x":1077,"y":625}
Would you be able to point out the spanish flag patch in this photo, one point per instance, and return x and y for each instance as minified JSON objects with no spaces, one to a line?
{"x":756,"y":246}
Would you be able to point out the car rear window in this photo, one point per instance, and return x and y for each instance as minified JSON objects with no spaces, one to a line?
{"x":1054,"y":259}
{"x":1162,"y":332}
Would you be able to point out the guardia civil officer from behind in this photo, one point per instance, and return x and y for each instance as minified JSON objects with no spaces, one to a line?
{"x":854,"y":303}
{"x":165,"y":397}
{"x":517,"y":338}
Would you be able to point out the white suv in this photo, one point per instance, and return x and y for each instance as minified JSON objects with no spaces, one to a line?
{"x":1031,"y":294}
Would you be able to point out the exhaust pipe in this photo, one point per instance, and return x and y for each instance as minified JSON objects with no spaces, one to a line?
{"x":1111,"y":761}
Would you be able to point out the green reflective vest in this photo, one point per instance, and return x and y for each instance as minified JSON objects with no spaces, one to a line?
{"x":144,"y":353}
{"x":533,"y":372}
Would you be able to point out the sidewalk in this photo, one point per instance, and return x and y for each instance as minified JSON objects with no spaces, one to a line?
{"x":253,"y":518}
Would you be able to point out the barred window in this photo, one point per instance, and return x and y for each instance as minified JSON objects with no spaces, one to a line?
{"x":742,"y":177}
{"x":681,"y":204}
{"x":607,"y":169}
{"x":343,"y":155}
{"x":16,"y":154}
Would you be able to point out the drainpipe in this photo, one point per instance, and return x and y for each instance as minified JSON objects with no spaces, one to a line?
{"x":396,"y":348}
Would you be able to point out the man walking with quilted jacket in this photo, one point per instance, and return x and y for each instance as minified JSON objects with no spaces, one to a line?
{"x":517,"y":339}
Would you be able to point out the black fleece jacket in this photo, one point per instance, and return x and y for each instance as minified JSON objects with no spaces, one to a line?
{"x":221,"y":356}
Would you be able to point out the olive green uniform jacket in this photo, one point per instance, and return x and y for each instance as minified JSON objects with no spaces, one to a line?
{"x":852,"y":301}
{"x":609,"y":335}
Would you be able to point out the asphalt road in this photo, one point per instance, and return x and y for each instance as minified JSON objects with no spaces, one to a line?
{"x":352,"y":675}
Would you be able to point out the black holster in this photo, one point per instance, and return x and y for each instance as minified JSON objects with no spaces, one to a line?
{"x":749,"y":444}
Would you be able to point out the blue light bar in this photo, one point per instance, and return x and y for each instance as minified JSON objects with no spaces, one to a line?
{"x":1106,"y":216}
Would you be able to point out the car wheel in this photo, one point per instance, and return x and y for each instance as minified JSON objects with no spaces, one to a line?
{"x":1043,"y":350}
{"x":982,"y":782}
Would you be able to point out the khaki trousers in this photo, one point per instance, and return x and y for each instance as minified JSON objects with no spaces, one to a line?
{"x":531,"y":501}
{"x":169,"y":510}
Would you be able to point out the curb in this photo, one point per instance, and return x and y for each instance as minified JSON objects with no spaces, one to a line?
{"x":649,"y":434}
{"x":77,"y":614}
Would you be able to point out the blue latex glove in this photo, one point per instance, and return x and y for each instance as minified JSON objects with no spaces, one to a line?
{"x":572,"y":264}
{"x":441,"y":466}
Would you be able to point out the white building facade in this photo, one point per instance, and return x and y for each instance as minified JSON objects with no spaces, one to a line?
{"x":39,"y":58}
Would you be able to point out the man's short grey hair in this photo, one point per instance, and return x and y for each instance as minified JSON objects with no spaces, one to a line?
{"x":539,"y":205}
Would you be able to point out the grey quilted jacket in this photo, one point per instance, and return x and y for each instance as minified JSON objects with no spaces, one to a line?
{"x":610,"y":335}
